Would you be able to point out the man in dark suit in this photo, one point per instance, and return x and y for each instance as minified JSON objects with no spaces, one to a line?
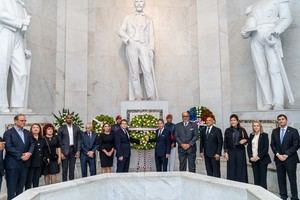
{"x":186,"y":136}
{"x":162,"y":147}
{"x":211,"y":143}
{"x":69,"y":136}
{"x":122,"y":140}
{"x":284,"y":144}
{"x":2,"y":146}
{"x":19,"y":147}
{"x":88,"y":151}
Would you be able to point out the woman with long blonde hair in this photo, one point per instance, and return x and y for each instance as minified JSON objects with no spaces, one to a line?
{"x":258,"y":153}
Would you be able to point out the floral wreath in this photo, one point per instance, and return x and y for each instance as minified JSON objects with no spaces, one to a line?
{"x":60,"y":118}
{"x":199,"y":114}
{"x":143,"y":121}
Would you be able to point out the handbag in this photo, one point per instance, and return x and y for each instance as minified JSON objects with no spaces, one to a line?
{"x":51,"y":156}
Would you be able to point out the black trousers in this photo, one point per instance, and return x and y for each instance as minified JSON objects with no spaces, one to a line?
{"x":212,"y":167}
{"x":161,"y":163}
{"x":237,"y":165}
{"x":187,"y":157}
{"x":15,"y":181}
{"x":123,"y":165}
{"x":290,"y":169}
{"x":33,"y":177}
{"x":68,"y":165}
{"x":260,"y":173}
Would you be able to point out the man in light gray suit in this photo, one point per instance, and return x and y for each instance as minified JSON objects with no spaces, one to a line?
{"x":186,"y":136}
{"x":69,"y":137}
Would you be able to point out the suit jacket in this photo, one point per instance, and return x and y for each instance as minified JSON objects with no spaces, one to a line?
{"x":130,"y":30}
{"x":36,"y":158}
{"x":163,"y":141}
{"x":186,"y":135}
{"x":15,"y":147}
{"x":263,"y":148}
{"x":122,"y":144}
{"x":9,"y":16}
{"x":289,"y":146}
{"x":212,"y":143}
{"x":64,"y":140}
{"x":88,"y":143}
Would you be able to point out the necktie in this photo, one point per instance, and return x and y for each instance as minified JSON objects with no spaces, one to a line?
{"x":185,"y":123}
{"x":207,"y":131}
{"x":159,"y":133}
{"x":282,"y":132}
{"x":125,"y":131}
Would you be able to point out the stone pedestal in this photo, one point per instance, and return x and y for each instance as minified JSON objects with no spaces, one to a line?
{"x":129,"y":109}
{"x":7,"y":120}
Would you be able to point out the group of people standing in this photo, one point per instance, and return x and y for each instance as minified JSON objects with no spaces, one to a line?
{"x":41,"y":151}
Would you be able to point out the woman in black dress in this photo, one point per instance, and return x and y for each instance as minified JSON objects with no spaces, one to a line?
{"x":36,"y":159}
{"x":235,"y":153}
{"x":106,"y":148}
{"x":51,"y":157}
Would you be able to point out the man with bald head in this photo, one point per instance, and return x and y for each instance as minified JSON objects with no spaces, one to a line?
{"x":186,"y":136}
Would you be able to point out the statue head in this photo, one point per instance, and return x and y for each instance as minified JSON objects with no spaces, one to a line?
{"x":139,"y":5}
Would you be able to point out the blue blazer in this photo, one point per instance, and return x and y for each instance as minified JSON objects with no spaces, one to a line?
{"x":163,"y":143}
{"x":15,"y":148}
{"x":87,"y":143}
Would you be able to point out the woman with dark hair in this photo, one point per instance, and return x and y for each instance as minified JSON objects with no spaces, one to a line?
{"x":235,"y":140}
{"x":106,"y":148}
{"x":36,"y":159}
{"x":52,"y":154}
{"x":258,"y":153}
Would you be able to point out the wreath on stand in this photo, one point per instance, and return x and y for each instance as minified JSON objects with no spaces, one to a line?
{"x":146,"y":122}
{"x":59,"y":120}
{"x":143,"y":129}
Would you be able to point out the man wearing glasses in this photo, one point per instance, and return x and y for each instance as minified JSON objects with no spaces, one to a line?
{"x":186,"y":136}
{"x":19,"y":147}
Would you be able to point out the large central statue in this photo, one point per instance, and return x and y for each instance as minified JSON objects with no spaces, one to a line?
{"x":138,"y":35}
{"x":14,"y":22}
{"x":266,"y":21}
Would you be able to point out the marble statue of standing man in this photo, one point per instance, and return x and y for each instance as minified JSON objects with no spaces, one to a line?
{"x":14,"y":22}
{"x":138,"y":35}
{"x":266,"y":21}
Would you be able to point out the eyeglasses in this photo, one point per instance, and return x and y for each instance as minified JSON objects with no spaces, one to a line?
{"x":24,"y":120}
{"x":185,"y":116}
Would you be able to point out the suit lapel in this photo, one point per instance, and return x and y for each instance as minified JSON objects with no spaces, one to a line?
{"x":18,"y":136}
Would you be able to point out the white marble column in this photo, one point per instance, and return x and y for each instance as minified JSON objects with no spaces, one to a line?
{"x":214,"y":70}
{"x":72,"y":56}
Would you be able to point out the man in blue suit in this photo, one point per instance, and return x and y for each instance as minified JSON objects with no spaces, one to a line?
{"x":163,"y":147}
{"x":88,"y":151}
{"x":19,"y":147}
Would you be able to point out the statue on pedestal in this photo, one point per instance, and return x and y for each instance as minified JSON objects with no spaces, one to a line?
{"x":14,"y":22}
{"x":266,"y":21}
{"x":138,"y":35}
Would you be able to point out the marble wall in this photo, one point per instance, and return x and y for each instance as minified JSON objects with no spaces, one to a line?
{"x":176,"y":50}
{"x":41,"y":40}
{"x":243,"y":90}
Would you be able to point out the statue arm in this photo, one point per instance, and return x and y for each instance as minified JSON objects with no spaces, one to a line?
{"x":8,"y":19}
{"x":122,"y":32}
{"x":285,"y":17}
{"x":151,"y":36}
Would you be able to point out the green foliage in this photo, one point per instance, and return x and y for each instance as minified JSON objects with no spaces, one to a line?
{"x":59,"y":120}
{"x":100,"y":120}
{"x":143,"y":121}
